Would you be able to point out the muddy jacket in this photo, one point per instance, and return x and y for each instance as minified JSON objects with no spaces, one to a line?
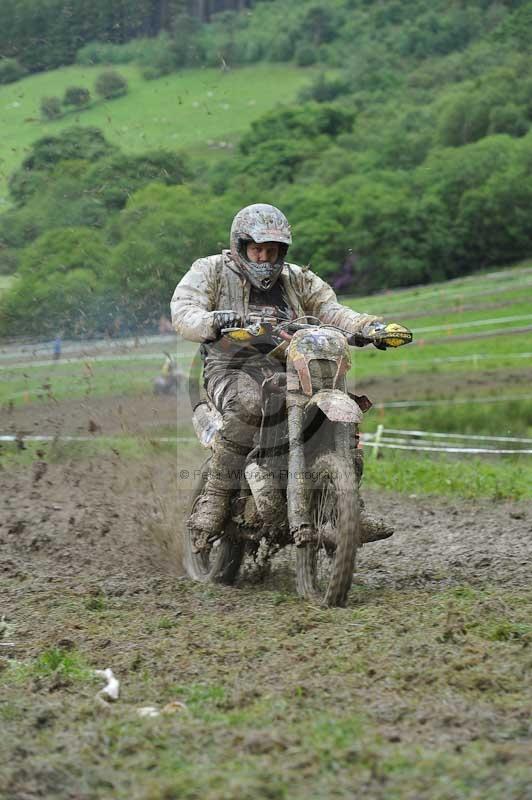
{"x":215,"y":283}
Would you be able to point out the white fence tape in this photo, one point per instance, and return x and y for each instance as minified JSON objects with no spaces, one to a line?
{"x":436,"y":435}
{"x":424,"y":441}
{"x":169,"y":439}
{"x":416,"y":441}
{"x":471,"y":450}
{"x":453,"y":401}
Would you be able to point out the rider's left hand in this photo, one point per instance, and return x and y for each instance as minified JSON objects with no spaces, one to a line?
{"x":389,"y":334}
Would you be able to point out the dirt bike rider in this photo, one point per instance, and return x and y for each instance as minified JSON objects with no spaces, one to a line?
{"x":168,"y":366}
{"x":220,"y":292}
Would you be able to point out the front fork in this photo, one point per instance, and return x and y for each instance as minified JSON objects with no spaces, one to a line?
{"x":297,"y":489}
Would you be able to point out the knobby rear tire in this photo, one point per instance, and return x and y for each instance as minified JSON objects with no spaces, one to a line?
{"x":222,"y":563}
{"x":334,"y":484}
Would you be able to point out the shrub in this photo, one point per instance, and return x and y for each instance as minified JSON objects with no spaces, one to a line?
{"x":163,"y":64}
{"x":306,"y":55}
{"x":141,"y":51}
{"x":8,"y":261}
{"x":11,"y":70}
{"x":51,"y":107}
{"x":508,"y":119}
{"x":77,"y":96}
{"x":24,"y":183}
{"x":104,"y":53}
{"x":281,"y":48}
{"x":110,"y":84}
{"x":324,"y":89}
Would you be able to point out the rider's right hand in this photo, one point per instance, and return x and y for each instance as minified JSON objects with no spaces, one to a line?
{"x":225,"y":319}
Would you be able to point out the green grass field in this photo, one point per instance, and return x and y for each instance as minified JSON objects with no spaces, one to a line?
{"x":510,"y":283}
{"x":502,"y":300}
{"x":491,"y":371}
{"x":203,"y":111}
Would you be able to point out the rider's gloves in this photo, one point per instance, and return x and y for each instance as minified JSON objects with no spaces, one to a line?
{"x":225,"y":319}
{"x":389,"y":334}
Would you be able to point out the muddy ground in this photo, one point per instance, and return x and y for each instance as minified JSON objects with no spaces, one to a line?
{"x":419,"y":689}
{"x":117,"y":518}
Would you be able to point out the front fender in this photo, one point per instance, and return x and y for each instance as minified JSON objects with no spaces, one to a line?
{"x":336,"y":405}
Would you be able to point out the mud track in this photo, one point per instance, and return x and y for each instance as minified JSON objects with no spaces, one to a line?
{"x":90,"y":570}
{"x":111,"y":517}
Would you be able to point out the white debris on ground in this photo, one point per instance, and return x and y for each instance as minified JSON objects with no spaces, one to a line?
{"x":173,"y":707}
{"x":112,"y":689}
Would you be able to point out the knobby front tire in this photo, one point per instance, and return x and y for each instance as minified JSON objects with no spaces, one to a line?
{"x":324,"y":567}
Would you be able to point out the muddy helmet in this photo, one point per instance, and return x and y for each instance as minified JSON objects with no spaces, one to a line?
{"x":260,"y":223}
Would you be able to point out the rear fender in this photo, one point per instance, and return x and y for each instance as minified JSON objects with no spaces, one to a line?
{"x":337,"y":406}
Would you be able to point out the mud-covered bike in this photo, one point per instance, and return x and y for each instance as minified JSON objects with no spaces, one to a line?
{"x":299,"y":485}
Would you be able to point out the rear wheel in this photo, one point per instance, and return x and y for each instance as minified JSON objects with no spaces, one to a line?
{"x":324,"y":567}
{"x":221,"y":563}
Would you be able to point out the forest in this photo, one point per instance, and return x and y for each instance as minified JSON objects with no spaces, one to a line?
{"x":405,"y":160}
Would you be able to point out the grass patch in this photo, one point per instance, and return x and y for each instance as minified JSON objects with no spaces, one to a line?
{"x":464,"y":418}
{"x":62,"y":664}
{"x":96,"y":603}
{"x":504,"y":479}
{"x":81,"y":379}
{"x":191,"y":110}
{"x":497,"y":353}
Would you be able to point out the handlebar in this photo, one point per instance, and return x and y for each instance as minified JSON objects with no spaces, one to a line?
{"x":256,"y":327}
{"x":384,"y":336}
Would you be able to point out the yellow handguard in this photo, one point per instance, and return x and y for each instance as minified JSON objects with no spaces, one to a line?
{"x":245,"y":335}
{"x":395,"y":335}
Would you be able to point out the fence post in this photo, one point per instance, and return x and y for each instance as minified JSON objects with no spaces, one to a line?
{"x":378,"y":436}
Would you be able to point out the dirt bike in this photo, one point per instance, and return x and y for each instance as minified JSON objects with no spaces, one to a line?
{"x":299,"y":485}
{"x":171,"y":380}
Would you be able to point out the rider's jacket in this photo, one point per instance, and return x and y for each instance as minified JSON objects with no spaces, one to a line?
{"x":215,"y":283}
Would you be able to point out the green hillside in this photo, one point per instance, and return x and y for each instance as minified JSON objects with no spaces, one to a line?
{"x":203,"y":110}
{"x":403,"y":160}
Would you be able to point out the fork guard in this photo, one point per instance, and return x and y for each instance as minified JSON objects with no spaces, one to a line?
{"x":337,"y":406}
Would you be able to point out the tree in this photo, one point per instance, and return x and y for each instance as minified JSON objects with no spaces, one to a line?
{"x":113,"y":180}
{"x":75,"y":143}
{"x":495,"y":219}
{"x":59,"y":287}
{"x":11,"y":70}
{"x":160,"y":233}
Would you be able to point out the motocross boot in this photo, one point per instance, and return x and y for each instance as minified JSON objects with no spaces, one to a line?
{"x":373,"y":529}
{"x":212,"y":506}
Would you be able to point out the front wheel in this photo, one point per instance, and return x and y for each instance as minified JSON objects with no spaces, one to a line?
{"x":324,"y":567}
{"x":222,"y":562}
